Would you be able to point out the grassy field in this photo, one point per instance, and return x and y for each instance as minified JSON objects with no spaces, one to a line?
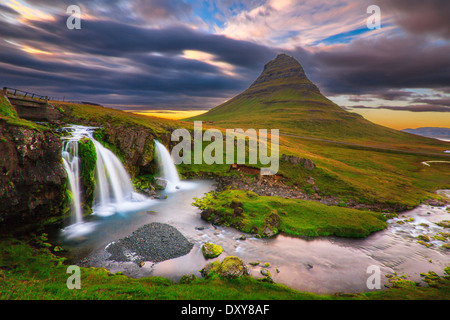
{"x":108,"y":116}
{"x":290,"y":216}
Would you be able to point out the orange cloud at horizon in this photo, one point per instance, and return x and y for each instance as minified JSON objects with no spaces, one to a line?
{"x":170,"y":114}
{"x":405,"y":119}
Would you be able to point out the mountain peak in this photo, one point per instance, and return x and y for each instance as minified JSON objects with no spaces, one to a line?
{"x":283,"y":72}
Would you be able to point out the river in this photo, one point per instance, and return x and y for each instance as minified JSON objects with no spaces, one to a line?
{"x":322,"y":265}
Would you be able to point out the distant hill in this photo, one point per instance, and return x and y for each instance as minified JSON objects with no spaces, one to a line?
{"x":283,"y":97}
{"x":431,"y":132}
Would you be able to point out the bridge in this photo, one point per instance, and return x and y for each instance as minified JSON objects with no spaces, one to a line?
{"x":31,"y":106}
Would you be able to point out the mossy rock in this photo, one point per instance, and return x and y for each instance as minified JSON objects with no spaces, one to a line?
{"x":188,"y":278}
{"x":424,"y":237}
{"x":424,"y":243}
{"x":230,"y":268}
{"x":444,"y":224}
{"x":211,"y":250}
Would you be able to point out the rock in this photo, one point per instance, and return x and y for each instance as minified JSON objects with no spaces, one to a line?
{"x":271,"y":226}
{"x":141,"y":264}
{"x":265,"y":272}
{"x":310,"y":180}
{"x":253,"y":263}
{"x":423,"y":237}
{"x":161,"y":183}
{"x":32,"y":178}
{"x":211,"y":250}
{"x":242,"y":237}
{"x":309,"y":165}
{"x":267,"y":232}
{"x":187,"y":278}
{"x":231,"y":268}
{"x":238,"y":212}
{"x":235,"y":204}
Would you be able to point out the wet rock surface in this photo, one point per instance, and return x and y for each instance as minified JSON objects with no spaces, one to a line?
{"x":153,"y":242}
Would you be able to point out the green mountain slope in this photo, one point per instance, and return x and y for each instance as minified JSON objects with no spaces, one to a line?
{"x":283,"y":97}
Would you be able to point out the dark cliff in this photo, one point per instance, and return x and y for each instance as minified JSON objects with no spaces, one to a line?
{"x":32,"y":177}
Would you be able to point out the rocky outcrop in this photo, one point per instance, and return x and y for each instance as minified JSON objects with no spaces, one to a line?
{"x":32,"y":177}
{"x":134,"y":145}
{"x":283,"y":71}
{"x":307,"y":163}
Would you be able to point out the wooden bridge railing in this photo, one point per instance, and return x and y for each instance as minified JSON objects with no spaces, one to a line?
{"x":24,"y":94}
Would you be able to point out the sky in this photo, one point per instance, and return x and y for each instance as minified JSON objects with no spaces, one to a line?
{"x":169,"y":56}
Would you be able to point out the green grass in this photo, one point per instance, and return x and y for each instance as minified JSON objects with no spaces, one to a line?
{"x":109,"y":116}
{"x":9,"y":114}
{"x":296,"y":217}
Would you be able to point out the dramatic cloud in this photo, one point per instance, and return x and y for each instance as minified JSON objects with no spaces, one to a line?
{"x":418,"y":16}
{"x":384,"y":63}
{"x":196,"y":54}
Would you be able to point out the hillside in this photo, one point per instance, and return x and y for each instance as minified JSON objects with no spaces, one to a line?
{"x":283,"y":97}
{"x":356,"y":160}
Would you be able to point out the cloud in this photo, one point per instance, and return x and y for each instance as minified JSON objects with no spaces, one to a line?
{"x":412,"y":108}
{"x":418,"y":16}
{"x":146,"y":66}
{"x":386,"y":64}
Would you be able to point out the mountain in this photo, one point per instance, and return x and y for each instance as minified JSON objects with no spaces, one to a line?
{"x":431,"y":132}
{"x":283,"y":97}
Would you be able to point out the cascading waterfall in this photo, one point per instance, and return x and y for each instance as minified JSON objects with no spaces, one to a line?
{"x":114,"y":192}
{"x":72,"y":166}
{"x":167,"y":168}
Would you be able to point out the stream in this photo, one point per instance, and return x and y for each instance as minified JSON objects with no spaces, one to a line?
{"x":322,"y":265}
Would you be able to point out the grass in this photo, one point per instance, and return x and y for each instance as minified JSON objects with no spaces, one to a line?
{"x":367,"y":176}
{"x":290,"y":216}
{"x":9,"y":114}
{"x":109,"y":116}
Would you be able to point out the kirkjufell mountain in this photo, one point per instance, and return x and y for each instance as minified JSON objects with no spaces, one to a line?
{"x":283,"y":97}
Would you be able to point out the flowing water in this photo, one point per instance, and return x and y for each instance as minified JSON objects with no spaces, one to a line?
{"x":114,"y":191}
{"x":167,"y":167}
{"x":320,"y":265}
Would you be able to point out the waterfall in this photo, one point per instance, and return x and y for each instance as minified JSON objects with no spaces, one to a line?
{"x":167,"y":168}
{"x":114,"y":192}
{"x":72,"y":166}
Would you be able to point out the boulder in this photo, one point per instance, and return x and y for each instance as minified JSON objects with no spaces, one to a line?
{"x":211,"y":250}
{"x":231,"y":268}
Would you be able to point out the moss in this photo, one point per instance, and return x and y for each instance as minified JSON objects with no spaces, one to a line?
{"x":426,"y":244}
{"x":423,"y":237}
{"x":211,"y":250}
{"x":432,"y":279}
{"x":88,"y":160}
{"x":444,"y":223}
{"x":300,"y":217}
